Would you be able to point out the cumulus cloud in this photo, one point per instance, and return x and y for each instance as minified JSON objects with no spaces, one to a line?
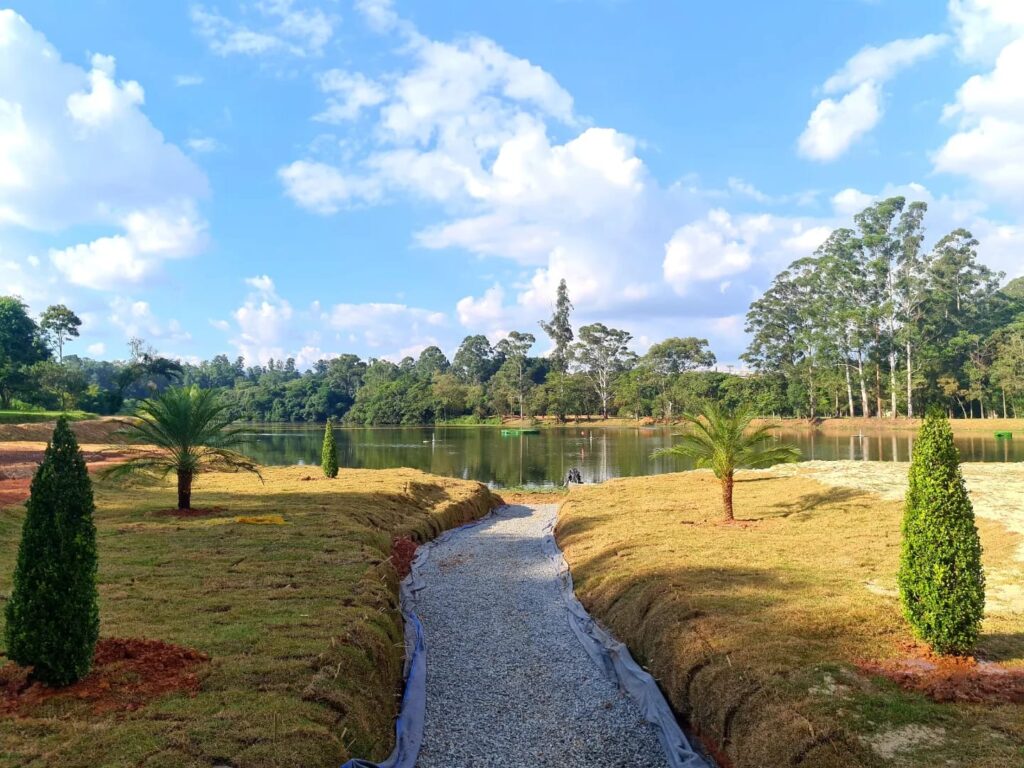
{"x":349,"y":93}
{"x":283,"y":28}
{"x":151,"y":237}
{"x":268,"y":325}
{"x":836,"y":124}
{"x":984,"y":27}
{"x":77,"y":150}
{"x":136,"y":318}
{"x":987,"y":146}
{"x":494,"y":142}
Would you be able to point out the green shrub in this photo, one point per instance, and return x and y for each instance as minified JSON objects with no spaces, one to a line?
{"x":329,"y":453}
{"x":52,"y":616}
{"x":942,"y":585}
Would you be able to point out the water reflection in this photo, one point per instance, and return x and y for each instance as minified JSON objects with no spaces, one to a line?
{"x":546,"y":458}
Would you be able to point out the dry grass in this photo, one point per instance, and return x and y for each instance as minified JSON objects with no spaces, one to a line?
{"x":753,"y":630}
{"x":299,"y":619}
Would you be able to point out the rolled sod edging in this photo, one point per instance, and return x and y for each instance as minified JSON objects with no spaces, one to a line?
{"x":412,"y":714}
{"x":610,"y":656}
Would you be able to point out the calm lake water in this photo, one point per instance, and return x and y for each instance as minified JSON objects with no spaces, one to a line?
{"x":482,"y":453}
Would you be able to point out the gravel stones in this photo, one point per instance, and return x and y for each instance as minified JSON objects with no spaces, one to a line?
{"x":508,"y":683}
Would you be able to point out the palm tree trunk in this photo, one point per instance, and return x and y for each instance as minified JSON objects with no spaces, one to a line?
{"x":727,"y":483}
{"x":184,"y":489}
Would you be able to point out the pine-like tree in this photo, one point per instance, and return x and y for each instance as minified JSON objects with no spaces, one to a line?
{"x":942,"y":584}
{"x":329,"y":453}
{"x":52,"y":616}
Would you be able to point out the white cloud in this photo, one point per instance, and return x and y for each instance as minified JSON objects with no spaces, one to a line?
{"x":186,"y":81}
{"x":105,"y":101}
{"x":349,"y":93}
{"x":322,"y":188}
{"x":151,"y":236}
{"x":380,"y":14}
{"x":97,"y":349}
{"x":269,"y":326}
{"x":390,"y":330}
{"x":879,"y":64}
{"x":283,"y":29}
{"x":984,"y":27}
{"x":494,"y":142}
{"x":76,"y":150}
{"x":136,"y":318}
{"x":850,"y":201}
{"x":835,"y":124}
{"x":722,"y":245}
{"x":988,"y":146}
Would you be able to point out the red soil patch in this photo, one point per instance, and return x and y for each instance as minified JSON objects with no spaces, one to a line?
{"x":403,"y":551}
{"x":126,"y":673}
{"x":190,"y":512}
{"x":13,"y":492}
{"x":951,"y":678}
{"x":18,"y":465}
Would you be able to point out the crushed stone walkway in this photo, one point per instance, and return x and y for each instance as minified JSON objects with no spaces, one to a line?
{"x":508,"y":683}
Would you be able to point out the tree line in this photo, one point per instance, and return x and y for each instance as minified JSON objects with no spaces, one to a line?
{"x":872,"y":324}
{"x":875,"y":324}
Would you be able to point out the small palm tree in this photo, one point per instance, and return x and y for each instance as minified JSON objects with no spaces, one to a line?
{"x":723,"y":441}
{"x":184,"y":430}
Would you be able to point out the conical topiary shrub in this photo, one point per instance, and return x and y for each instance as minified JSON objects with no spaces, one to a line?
{"x":52,"y":616}
{"x":329,"y":453}
{"x":942,"y":585}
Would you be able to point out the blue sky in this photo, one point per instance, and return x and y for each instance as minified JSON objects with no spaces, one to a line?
{"x":301,"y":178}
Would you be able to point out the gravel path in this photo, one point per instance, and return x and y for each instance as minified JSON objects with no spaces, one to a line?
{"x":508,"y":683}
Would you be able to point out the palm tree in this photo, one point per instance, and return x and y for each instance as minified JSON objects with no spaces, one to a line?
{"x":184,"y":430}
{"x":723,"y":441}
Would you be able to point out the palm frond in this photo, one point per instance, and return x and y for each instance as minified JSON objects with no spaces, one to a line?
{"x":183,"y":429}
{"x":725,"y":441}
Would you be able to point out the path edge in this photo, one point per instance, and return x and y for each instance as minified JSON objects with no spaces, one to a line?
{"x":409,"y":724}
{"x":618,"y":664}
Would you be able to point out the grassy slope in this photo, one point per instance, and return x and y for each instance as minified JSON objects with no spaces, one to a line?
{"x":31,"y":417}
{"x":752,"y":631}
{"x":300,"y":620}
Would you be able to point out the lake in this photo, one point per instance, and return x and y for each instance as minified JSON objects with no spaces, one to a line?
{"x":482,"y":453}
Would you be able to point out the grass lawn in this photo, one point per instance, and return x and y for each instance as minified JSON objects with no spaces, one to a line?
{"x":754,"y":631}
{"x":31,"y":417}
{"x":299,"y":620}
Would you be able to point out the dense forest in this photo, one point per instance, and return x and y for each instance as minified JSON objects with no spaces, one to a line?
{"x":872,"y":323}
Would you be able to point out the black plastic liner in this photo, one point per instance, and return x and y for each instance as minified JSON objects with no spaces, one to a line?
{"x":611,"y":656}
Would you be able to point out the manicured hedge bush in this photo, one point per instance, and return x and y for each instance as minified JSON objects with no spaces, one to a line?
{"x":329,"y":453}
{"x":942,"y":584}
{"x":52,"y":616}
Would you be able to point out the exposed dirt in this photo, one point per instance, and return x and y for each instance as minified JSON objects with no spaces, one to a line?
{"x":126,"y":673}
{"x":19,"y":460}
{"x":403,"y":551}
{"x":949,"y":678}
